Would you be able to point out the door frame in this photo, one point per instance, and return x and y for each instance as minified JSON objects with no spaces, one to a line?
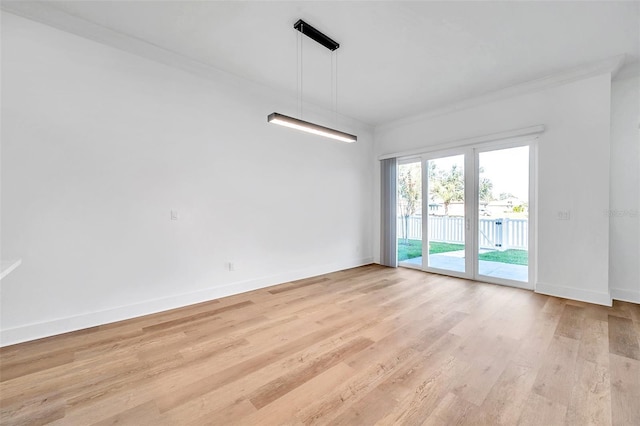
{"x":531,"y":225}
{"x":471,"y":209}
{"x":467,"y":152}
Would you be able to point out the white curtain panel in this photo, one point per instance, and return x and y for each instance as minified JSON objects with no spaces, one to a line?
{"x":388,"y":243}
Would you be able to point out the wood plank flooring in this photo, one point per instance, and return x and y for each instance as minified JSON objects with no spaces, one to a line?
{"x":365,"y":346}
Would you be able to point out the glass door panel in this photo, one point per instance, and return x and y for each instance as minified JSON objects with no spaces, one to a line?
{"x":409,"y":210}
{"x":503,"y":214}
{"x":446,"y":214}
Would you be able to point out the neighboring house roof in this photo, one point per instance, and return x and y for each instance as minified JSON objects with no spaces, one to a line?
{"x":512,"y":201}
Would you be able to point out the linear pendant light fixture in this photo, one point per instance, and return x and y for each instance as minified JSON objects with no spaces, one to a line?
{"x":298,"y":123}
{"x":305,"y":126}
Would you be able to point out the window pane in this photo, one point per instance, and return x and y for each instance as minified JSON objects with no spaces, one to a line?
{"x":446,"y":213}
{"x":410,"y":214}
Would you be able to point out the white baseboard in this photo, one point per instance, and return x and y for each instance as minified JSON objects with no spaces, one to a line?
{"x":626,"y":295}
{"x":573,"y":293}
{"x":64,"y":325}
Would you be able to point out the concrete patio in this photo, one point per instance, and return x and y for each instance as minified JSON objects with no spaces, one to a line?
{"x":454,"y":261}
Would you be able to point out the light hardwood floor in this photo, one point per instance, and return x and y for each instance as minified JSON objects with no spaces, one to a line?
{"x":369,"y":345}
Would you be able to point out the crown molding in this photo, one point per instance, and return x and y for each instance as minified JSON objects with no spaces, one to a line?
{"x":49,"y":15}
{"x":43,"y":13}
{"x":631,"y":70}
{"x":610,"y":65}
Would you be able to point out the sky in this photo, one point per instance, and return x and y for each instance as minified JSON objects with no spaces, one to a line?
{"x":508,"y":169}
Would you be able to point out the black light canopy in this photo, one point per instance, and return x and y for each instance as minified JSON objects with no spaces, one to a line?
{"x":316,"y":35}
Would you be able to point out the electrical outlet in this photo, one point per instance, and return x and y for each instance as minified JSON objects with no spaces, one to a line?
{"x":174,"y":214}
{"x":231,"y":266}
{"x":564,"y":215}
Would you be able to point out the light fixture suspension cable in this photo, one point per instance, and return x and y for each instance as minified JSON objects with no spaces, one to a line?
{"x":298,"y":72}
{"x":333,"y":109}
{"x":335,"y":105}
{"x":301,"y":74}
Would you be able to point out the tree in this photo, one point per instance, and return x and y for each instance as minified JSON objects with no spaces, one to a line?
{"x":409,"y":191}
{"x":505,"y":195}
{"x":522,"y":208}
{"x":448,"y":186}
{"x":486,"y":190}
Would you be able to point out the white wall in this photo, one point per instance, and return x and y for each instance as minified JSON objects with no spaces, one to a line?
{"x":98,"y":146}
{"x":624,"y":251}
{"x":573,"y":174}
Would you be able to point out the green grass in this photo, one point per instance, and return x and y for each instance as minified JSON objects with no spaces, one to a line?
{"x":435,"y":248}
{"x":512,"y":256}
{"x":411,"y":249}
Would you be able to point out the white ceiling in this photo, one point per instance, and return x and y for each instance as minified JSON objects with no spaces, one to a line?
{"x":396,"y":58}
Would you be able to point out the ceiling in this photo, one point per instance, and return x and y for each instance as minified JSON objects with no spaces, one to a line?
{"x":395,"y":58}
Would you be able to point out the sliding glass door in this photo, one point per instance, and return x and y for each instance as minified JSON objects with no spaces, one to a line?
{"x":503,"y":214}
{"x":466,"y":213}
{"x":445,"y":215}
